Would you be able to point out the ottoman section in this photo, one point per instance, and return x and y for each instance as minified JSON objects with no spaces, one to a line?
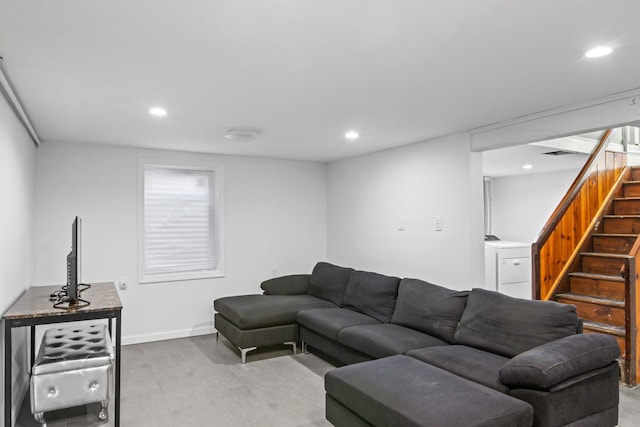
{"x":251,"y":321}
{"x":403,"y":391}
{"x":73,"y":367}
{"x":260,"y":311}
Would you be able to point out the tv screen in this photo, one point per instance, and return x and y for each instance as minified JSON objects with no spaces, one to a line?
{"x":68,"y":298}
{"x":73,"y":261}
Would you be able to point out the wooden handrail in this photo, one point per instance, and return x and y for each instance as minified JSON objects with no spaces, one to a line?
{"x":571,"y":194}
{"x":635,"y":249}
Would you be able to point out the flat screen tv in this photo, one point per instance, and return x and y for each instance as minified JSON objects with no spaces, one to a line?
{"x":69,"y":296}
{"x":73,"y":261}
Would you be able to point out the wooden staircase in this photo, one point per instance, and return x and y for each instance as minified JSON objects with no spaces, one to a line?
{"x":597,"y":288}
{"x":588,"y":252}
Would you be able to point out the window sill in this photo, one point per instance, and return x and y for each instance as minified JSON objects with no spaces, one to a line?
{"x":179,"y":277}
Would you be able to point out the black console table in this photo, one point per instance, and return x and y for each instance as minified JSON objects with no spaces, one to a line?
{"x":34,"y":308}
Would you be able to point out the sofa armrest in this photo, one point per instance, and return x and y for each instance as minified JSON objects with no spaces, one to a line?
{"x":549,"y":364}
{"x":295,"y":284}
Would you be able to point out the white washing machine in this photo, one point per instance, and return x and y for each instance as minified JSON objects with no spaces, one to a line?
{"x":508,"y":268}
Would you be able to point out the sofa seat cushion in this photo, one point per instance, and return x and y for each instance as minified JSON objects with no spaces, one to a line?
{"x":329,"y":282}
{"x":261,"y":311}
{"x":402,"y":391}
{"x":330,"y":321}
{"x":429,"y":308}
{"x":385,"y":339}
{"x":467,"y":362}
{"x":509,"y":326}
{"x":372,"y":294}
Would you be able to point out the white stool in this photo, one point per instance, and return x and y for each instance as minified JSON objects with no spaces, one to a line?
{"x":73,"y":368}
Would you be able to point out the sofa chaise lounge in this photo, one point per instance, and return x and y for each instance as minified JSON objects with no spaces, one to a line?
{"x":430,"y":353}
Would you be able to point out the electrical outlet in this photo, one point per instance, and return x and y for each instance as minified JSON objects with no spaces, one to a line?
{"x":124,"y":283}
{"x":438,"y":224}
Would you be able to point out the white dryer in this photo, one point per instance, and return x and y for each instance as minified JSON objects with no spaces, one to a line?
{"x":508,"y":268}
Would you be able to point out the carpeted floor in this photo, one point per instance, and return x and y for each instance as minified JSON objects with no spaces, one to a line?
{"x":200,"y":382}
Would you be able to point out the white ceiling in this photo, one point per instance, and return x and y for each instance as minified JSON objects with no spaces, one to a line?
{"x":575,"y":151}
{"x":510,"y":161}
{"x":306,"y":71}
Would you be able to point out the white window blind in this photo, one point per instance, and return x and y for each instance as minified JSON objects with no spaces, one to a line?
{"x":180,"y":234}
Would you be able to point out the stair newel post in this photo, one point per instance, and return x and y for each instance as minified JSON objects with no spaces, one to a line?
{"x":628,"y":272}
{"x":631,"y":274}
{"x":631,"y":308}
{"x":535,"y":271}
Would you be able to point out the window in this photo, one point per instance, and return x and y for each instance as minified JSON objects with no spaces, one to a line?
{"x":181,"y":222}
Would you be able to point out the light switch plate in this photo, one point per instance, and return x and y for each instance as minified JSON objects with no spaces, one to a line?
{"x":438,"y":224}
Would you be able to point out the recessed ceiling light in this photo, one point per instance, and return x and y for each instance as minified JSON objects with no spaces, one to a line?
{"x":597,"y":52}
{"x":241,"y":134}
{"x":527,"y":166}
{"x":158,"y":111}
{"x":352,"y":134}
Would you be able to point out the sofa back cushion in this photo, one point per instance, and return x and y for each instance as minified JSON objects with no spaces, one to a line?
{"x":372,"y":294}
{"x":510,"y":326}
{"x":429,"y":308}
{"x":329,"y":282}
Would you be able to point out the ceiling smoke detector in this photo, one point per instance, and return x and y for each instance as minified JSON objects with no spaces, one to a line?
{"x":241,"y":134}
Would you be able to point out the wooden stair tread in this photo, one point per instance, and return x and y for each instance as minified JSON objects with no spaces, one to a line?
{"x":603,"y":328}
{"x":592,"y":300}
{"x":621,"y":216}
{"x":614,"y":235}
{"x":597,"y":276}
{"x":627,"y":198}
{"x":606,"y":255}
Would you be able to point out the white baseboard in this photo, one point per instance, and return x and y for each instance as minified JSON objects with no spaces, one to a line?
{"x":167,"y":335}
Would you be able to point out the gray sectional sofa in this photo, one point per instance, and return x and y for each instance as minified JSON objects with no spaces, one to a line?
{"x":418,"y":354}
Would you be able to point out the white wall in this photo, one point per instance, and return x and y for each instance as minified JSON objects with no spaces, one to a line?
{"x":522,"y":204}
{"x":17,"y":159}
{"x":368,"y":195}
{"x":275,"y":217}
